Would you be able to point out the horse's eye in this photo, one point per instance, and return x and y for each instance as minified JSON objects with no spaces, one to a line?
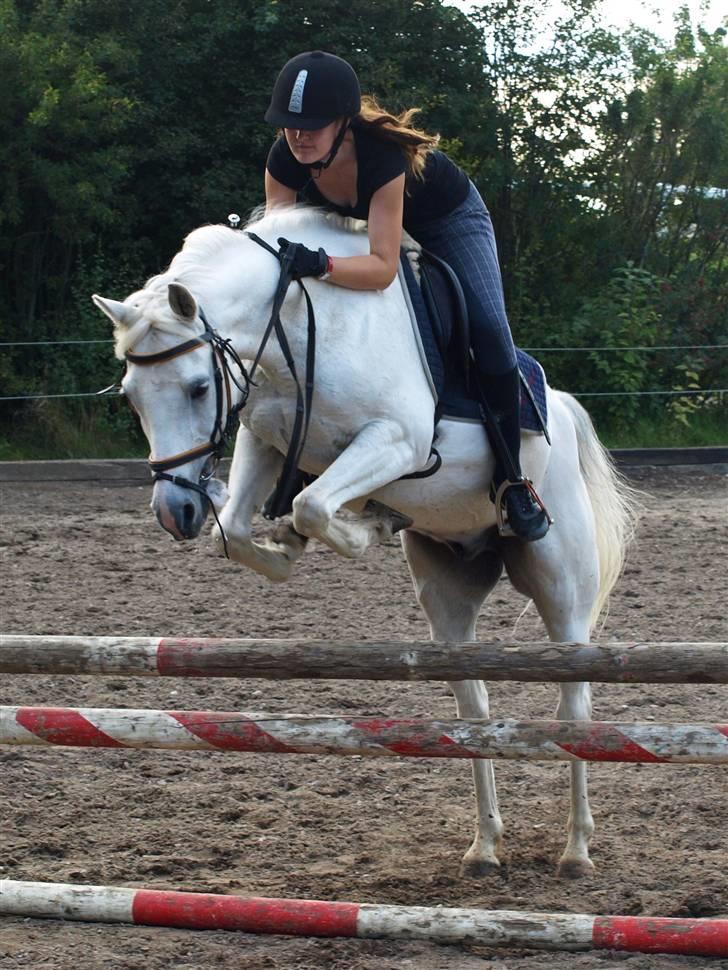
{"x":199,"y":390}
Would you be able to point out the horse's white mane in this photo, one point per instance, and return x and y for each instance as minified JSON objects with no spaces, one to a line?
{"x":289,"y":218}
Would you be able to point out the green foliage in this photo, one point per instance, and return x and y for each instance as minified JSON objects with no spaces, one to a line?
{"x":73,"y":429}
{"x":634,"y":311}
{"x":664,"y":150}
{"x":686,"y":409}
{"x":706,"y":428}
{"x":624,"y":315}
{"x":124,"y":126}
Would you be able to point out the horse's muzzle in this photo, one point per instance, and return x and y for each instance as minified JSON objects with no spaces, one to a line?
{"x":180,"y":511}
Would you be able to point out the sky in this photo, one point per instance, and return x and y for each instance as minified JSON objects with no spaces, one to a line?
{"x":657,"y":15}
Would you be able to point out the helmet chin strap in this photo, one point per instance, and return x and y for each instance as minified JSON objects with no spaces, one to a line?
{"x":322,"y":165}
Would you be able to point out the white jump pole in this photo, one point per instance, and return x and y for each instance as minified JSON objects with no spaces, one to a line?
{"x":298,"y":917}
{"x":539,"y":661}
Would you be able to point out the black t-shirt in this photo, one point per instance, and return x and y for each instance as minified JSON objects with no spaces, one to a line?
{"x":443,"y":188}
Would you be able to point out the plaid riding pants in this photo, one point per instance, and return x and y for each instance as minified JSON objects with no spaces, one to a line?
{"x":465,"y":239}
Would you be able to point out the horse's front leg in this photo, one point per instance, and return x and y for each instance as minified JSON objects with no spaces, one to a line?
{"x":255,"y":468}
{"x":379,"y":454}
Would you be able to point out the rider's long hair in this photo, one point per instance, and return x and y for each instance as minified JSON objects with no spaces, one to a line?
{"x":414,"y":142}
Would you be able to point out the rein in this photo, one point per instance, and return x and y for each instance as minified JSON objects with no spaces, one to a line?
{"x":288,"y":482}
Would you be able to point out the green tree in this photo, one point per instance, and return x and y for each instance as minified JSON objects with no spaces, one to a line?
{"x":60,"y":156}
{"x":660,"y":179}
{"x":125,"y":126}
{"x":665,"y":145}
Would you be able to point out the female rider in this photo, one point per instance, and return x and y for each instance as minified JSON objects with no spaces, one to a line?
{"x":346,"y":154}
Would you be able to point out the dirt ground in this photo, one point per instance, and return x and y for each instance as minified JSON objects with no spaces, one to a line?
{"x":90,"y":559}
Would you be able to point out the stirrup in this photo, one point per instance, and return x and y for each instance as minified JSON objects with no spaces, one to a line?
{"x":504,"y":528}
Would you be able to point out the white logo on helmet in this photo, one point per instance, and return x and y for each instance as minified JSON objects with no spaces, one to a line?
{"x":296,"y":102}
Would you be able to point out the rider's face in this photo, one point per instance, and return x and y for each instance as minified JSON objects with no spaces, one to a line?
{"x":312,"y":145}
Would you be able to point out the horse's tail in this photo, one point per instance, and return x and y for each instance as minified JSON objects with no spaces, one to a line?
{"x":614,"y":502}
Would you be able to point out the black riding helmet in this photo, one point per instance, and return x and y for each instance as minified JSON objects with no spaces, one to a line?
{"x":312,"y":90}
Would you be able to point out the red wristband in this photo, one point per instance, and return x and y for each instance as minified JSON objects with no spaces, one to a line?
{"x":329,"y":268}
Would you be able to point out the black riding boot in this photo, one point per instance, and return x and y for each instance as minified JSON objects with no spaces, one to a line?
{"x":525,"y":517}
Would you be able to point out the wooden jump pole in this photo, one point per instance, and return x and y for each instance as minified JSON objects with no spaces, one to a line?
{"x":635,"y":662}
{"x":300,"y":917}
{"x":371,"y":737}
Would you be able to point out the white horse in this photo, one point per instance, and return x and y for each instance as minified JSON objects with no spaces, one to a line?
{"x":371,"y":423}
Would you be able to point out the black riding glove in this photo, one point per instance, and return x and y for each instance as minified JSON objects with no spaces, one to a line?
{"x":305,"y":262}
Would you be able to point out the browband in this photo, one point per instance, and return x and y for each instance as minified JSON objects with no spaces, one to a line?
{"x":170,"y":353}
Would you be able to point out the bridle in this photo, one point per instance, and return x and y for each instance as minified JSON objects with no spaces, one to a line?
{"x":223,"y":354}
{"x":224,"y":357}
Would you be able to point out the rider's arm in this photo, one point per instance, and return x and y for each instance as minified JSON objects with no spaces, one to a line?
{"x":376,"y":270}
{"x":276,"y":193}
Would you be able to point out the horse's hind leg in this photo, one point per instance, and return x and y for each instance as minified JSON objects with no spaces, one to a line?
{"x":561,"y":574}
{"x":451,"y":592}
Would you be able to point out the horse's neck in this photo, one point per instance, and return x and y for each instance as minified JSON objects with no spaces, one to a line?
{"x":234,"y":302}
{"x":240,"y":294}
{"x":238,"y":298}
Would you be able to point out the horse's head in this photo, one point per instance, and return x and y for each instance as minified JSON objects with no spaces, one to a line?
{"x":176,"y":382}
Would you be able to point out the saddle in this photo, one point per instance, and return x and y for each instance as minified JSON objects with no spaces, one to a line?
{"x":439,"y":317}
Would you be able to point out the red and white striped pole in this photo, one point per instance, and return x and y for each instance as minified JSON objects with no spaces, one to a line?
{"x":646,"y":743}
{"x":299,"y":917}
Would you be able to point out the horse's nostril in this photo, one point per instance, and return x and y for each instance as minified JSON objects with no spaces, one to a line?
{"x":188,"y":513}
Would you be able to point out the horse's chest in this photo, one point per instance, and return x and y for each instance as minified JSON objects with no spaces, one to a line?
{"x":272,"y":419}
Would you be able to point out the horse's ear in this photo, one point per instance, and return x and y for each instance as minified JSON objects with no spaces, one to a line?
{"x":182,"y":301}
{"x":119,"y":313}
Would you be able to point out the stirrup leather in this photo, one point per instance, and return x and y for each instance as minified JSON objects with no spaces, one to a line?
{"x":504,"y":528}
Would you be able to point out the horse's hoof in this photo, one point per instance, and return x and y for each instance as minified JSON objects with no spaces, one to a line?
{"x":575,"y":868}
{"x":285,"y":541}
{"x":276,"y":561}
{"x":217,"y":543}
{"x":480,"y":868}
{"x":276,"y":575}
{"x":400,"y":522}
{"x":395,"y":521}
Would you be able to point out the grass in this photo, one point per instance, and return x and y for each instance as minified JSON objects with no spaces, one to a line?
{"x":77,"y":446}
{"x":51,"y":433}
{"x":55,"y":430}
{"x":707,"y":429}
